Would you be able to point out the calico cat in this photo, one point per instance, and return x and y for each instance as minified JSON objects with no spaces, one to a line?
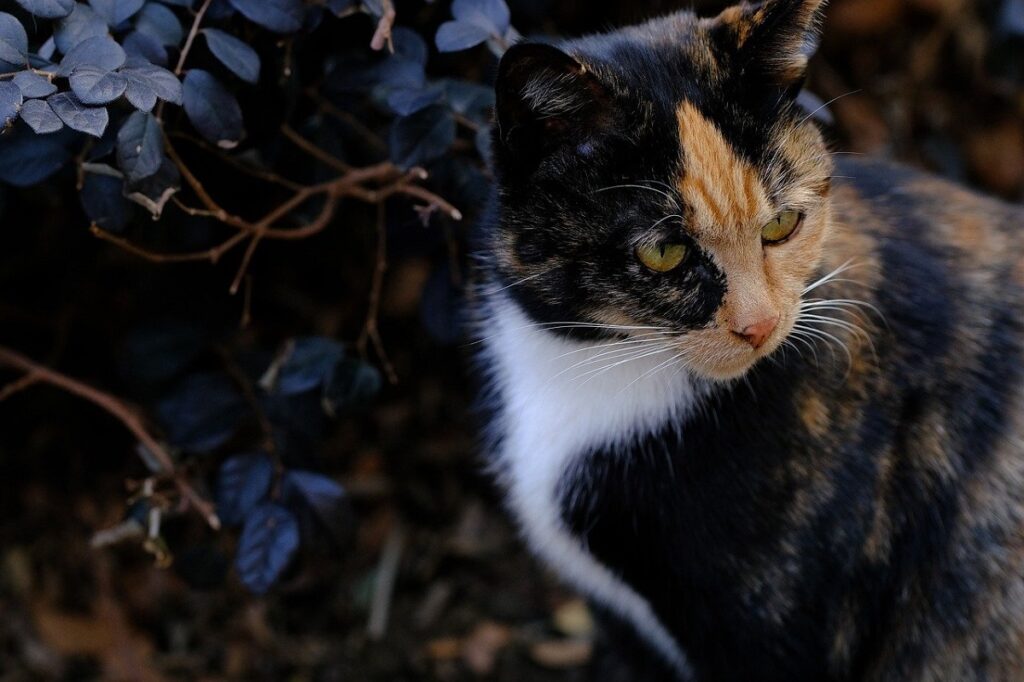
{"x":763,"y":408}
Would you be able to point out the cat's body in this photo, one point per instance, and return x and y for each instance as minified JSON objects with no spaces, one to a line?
{"x":848,"y":505}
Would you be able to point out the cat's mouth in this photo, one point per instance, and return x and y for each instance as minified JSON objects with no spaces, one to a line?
{"x":720,"y":355}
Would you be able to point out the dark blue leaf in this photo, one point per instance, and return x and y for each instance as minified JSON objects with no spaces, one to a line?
{"x":10,"y":103}
{"x":426,"y":135}
{"x":470,"y":99}
{"x":47,"y":49}
{"x":103,"y":201}
{"x":407,"y":101}
{"x":441,"y":308}
{"x":243,"y":482}
{"x":48,"y":9}
{"x":115,"y":12}
{"x":180,"y":3}
{"x":83,"y":23}
{"x":220,"y":10}
{"x":341,"y":7}
{"x":409,"y":45}
{"x":1011,"y":17}
{"x":160,"y":23}
{"x":238,"y":57}
{"x":323,"y":496}
{"x":94,"y":85}
{"x":266,"y":546}
{"x":351,"y":385}
{"x":146,"y":82}
{"x":214,"y":111}
{"x":282,"y":16}
{"x":78,"y":116}
{"x":145,"y":46}
{"x":490,"y":15}
{"x":140,"y":146}
{"x":13,"y":42}
{"x":40,"y":117}
{"x":202,"y":412}
{"x":308,"y":364}
{"x":453,"y":36}
{"x":33,"y":85}
{"x":100,"y":51}
{"x":160,"y":350}
{"x":153,"y":192}
{"x":483,"y":143}
{"x":27,"y":158}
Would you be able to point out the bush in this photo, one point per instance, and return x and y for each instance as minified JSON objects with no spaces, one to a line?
{"x":199,"y":131}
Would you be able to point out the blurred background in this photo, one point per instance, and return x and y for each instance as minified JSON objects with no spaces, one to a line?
{"x":401,"y":565}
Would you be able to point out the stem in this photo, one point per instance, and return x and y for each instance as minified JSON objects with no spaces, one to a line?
{"x":117,"y":408}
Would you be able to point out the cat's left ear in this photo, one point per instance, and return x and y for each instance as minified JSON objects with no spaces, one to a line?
{"x":771,"y":41}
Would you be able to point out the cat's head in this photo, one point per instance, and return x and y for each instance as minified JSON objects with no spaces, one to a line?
{"x":663,"y":176}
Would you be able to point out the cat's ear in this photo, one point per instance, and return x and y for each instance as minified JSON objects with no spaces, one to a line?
{"x":542,"y":95}
{"x":771,"y":41}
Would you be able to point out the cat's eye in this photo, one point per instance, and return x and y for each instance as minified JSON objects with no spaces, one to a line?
{"x":782,"y":227}
{"x":661,"y":257}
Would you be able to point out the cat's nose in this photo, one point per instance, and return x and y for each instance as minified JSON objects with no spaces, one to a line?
{"x":756,"y":334}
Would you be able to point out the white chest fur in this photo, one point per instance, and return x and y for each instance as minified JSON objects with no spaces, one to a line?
{"x":558,"y":400}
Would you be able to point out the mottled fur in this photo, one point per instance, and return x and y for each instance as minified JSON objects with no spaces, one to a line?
{"x":845,"y":502}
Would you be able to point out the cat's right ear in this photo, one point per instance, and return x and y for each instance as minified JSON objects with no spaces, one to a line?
{"x":543,"y":97}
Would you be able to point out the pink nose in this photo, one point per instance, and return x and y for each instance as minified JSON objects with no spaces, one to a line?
{"x":756,"y":334}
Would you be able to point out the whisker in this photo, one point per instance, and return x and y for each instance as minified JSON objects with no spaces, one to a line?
{"x":831,"y":101}
{"x":663,"y":193}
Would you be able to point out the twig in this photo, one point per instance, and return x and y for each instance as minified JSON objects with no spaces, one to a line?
{"x":382,"y":36}
{"x":119,"y":409}
{"x":371,"y":331}
{"x":212,"y":255}
{"x":17,"y":386}
{"x":314,"y":151}
{"x":384,"y":585}
{"x":192,"y":33}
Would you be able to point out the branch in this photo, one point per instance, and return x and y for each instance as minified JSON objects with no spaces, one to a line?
{"x":119,"y":409}
{"x":382,"y":36}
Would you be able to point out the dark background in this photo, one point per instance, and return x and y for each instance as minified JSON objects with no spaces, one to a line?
{"x":934,"y":83}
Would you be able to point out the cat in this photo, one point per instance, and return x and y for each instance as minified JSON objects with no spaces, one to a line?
{"x":761,"y":405}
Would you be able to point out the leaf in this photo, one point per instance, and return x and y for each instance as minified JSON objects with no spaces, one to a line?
{"x":159,"y":350}
{"x":144,"y":46}
{"x":140,"y":146}
{"x":103,"y":201}
{"x":147,"y":81}
{"x":307,"y":365}
{"x":10,"y":103}
{"x":281,"y":16}
{"x":489,"y":15}
{"x":409,"y":45}
{"x":33,"y":85}
{"x":453,"y":36}
{"x":1011,"y":17}
{"x":99,"y":51}
{"x":40,"y":117}
{"x":323,"y":496}
{"x":351,"y":384}
{"x":48,"y":9}
{"x":154,"y":192}
{"x":407,"y":101}
{"x":238,"y":57}
{"x":266,"y":546}
{"x":202,"y":412}
{"x":83,"y":23}
{"x":422,"y":137}
{"x":243,"y":482}
{"x":214,"y":111}
{"x":157,"y":21}
{"x":115,"y":12}
{"x":13,"y":42}
{"x":93,"y":85}
{"x":27,"y":159}
{"x":77,"y":116}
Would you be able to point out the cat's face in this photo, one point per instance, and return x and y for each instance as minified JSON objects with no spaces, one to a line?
{"x":661,"y":179}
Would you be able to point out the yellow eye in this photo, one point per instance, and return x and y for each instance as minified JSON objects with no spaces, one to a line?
{"x":661,"y":257}
{"x":781,"y":228}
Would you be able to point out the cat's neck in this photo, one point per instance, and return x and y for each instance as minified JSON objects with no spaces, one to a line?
{"x":556,"y":400}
